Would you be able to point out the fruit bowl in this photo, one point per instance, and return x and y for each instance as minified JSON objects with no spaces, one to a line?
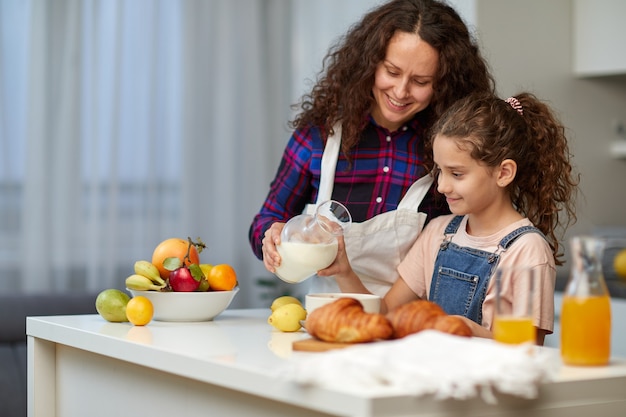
{"x":188,"y":306}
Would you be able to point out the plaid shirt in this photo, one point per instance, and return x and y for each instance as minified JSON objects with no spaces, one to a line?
{"x":384,"y":165}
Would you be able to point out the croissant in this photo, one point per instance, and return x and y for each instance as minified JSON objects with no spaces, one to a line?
{"x":413,"y":317}
{"x":419,"y":315}
{"x":452,"y":325}
{"x":345,"y":321}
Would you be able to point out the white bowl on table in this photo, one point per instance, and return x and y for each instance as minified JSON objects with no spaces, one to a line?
{"x":188,"y":306}
{"x":370,"y":302}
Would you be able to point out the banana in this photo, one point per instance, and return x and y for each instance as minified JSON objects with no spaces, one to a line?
{"x":150,"y":271}
{"x":141,"y":283}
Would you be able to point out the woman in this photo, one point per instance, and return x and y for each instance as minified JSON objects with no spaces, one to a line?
{"x":359,"y":138}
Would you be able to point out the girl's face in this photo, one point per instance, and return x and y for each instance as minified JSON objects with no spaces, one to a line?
{"x":469,"y":187}
{"x":403,"y":82}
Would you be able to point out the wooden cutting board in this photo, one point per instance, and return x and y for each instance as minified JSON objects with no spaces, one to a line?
{"x":316,"y":345}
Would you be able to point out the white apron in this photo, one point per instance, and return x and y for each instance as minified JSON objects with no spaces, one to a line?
{"x":376,"y":246}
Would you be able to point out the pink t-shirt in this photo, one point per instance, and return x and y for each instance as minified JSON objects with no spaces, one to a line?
{"x":530,"y":249}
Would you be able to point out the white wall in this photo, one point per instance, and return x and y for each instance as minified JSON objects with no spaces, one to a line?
{"x":529,"y":47}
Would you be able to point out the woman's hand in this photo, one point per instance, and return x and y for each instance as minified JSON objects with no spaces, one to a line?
{"x":271,"y":258}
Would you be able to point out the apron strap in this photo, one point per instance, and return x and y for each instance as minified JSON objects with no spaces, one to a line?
{"x":411,"y":200}
{"x":416,"y":193}
{"x":329,"y":164}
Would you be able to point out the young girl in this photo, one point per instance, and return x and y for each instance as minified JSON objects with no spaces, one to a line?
{"x":503,"y":166}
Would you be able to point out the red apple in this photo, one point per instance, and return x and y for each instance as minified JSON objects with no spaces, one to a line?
{"x":181,"y":280}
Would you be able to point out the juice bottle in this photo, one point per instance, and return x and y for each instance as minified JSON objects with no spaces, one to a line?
{"x":586,"y":330}
{"x":586,"y":310}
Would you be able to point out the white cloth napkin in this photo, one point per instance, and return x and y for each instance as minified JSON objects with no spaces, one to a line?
{"x":429,"y":362}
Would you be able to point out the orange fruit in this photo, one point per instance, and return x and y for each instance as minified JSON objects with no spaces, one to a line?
{"x":222,"y":277}
{"x":173,"y":248}
{"x":139,"y":310}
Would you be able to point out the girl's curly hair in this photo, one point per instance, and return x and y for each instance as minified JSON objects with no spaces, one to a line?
{"x":492,"y":130}
{"x":343,"y":91}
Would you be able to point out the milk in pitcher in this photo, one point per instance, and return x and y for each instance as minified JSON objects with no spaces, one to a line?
{"x":308,"y":243}
{"x":300,"y":261}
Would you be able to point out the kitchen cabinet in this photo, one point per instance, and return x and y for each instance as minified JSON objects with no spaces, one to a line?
{"x":599,"y":36}
{"x":83,"y":366}
{"x":618,"y":325}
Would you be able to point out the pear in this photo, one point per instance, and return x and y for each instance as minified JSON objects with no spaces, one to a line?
{"x":206,"y":268}
{"x":204,"y":282}
{"x":111,"y":305}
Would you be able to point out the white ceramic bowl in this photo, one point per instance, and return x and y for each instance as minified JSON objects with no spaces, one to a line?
{"x":370,"y":302}
{"x":188,"y":306}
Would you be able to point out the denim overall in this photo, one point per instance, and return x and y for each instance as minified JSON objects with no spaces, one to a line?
{"x":461,"y":275}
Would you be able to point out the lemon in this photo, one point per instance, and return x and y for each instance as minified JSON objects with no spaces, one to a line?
{"x":285,"y":299}
{"x":619,"y":263}
{"x":287,"y":318}
{"x":139,"y":310}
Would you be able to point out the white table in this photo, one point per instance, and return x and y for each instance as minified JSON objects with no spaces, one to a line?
{"x":84,"y":366}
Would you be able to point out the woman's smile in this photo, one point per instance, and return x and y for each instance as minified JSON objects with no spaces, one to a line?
{"x":395,"y":104}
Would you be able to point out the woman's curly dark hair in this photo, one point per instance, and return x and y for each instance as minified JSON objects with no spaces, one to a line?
{"x":491,"y":130}
{"x":344,"y":87}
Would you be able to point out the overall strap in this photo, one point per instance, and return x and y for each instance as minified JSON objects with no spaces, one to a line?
{"x":451,"y":229}
{"x":453,"y":226}
{"x":508,"y":240}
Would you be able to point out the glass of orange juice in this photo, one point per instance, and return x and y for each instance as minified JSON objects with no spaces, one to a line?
{"x":515,"y":295}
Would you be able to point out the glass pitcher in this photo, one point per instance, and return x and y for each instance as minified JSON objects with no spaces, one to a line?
{"x":308,"y":243}
{"x":586,"y":310}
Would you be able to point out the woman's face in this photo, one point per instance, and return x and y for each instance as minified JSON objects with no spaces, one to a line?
{"x":403,"y":83}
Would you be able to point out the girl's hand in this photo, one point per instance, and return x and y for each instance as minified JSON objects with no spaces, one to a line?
{"x":271,"y":258}
{"x":477,"y":329}
{"x":341,"y":265}
{"x":342,"y":271}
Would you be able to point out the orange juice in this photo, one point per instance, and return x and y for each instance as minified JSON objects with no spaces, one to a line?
{"x":586,"y":330}
{"x":513,"y":330}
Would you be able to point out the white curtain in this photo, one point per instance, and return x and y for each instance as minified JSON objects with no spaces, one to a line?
{"x":123,"y":123}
